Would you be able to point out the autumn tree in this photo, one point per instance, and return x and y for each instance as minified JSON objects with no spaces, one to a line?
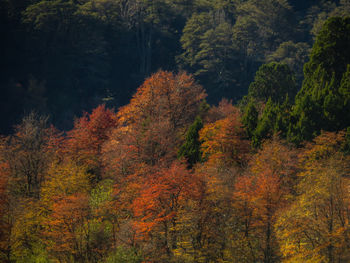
{"x":152,"y":125}
{"x":29,"y":154}
{"x":148,"y":136}
{"x":6,"y":218}
{"x":261,"y":193}
{"x":157,"y":208}
{"x":68,"y":229}
{"x":64,"y":179}
{"x":84,"y":142}
{"x":224,"y":109}
{"x":63,"y":196}
{"x":207,"y":224}
{"x":315,"y":226}
{"x":223,"y":141}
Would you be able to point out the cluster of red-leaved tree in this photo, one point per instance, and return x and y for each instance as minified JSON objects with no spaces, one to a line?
{"x":169,"y":179}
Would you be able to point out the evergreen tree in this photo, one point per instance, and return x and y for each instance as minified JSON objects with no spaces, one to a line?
{"x":266,"y":125}
{"x":250,"y":118}
{"x":191,"y":148}
{"x":321,"y":103}
{"x":273,"y":80}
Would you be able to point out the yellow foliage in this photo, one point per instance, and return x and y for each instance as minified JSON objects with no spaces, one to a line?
{"x":64,"y":179}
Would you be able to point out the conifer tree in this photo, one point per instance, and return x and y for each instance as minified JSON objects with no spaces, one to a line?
{"x":191,"y":148}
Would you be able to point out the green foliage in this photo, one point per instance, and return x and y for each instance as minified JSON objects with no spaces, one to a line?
{"x":210,"y":53}
{"x":320,"y":104}
{"x":275,"y":119}
{"x":294,"y":55}
{"x":38,"y":254}
{"x":125,"y":255}
{"x":273,"y":80}
{"x":330,"y":51}
{"x":344,"y":92}
{"x":218,"y":59}
{"x":250,"y":118}
{"x":326,"y":9}
{"x":266,"y":124}
{"x":283,"y":118}
{"x":101,"y":194}
{"x":257,"y":22}
{"x":190,"y":150}
{"x":274,"y":84}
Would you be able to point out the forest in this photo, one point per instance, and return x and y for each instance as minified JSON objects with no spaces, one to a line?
{"x":63,"y":57}
{"x":183,"y":131}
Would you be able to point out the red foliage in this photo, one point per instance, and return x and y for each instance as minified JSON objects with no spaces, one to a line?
{"x":68,"y":229}
{"x":84,"y":142}
{"x":162,"y":195}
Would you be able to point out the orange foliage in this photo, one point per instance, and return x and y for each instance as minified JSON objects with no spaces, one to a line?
{"x":67,"y":227}
{"x":223,"y":143}
{"x":151,"y":126}
{"x":264,"y":190}
{"x":272,"y":177}
{"x":162,"y":195}
{"x":323,"y":146}
{"x":223,"y":110}
{"x":164,"y":95}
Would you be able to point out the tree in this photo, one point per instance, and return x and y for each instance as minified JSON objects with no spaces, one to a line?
{"x":105,"y":223}
{"x":5,"y":215}
{"x":261,"y":193}
{"x":157,"y":208}
{"x":275,"y":119}
{"x":84,"y":142}
{"x":294,"y":55}
{"x":266,"y":124}
{"x":210,"y":53}
{"x":223,"y":143}
{"x":257,"y":24}
{"x":328,"y":9}
{"x":250,"y":119}
{"x":64,"y":179}
{"x":273,"y":80}
{"x":329,"y":51}
{"x":68,"y":229}
{"x":319,"y":104}
{"x":190,"y":150}
{"x":153,"y":123}
{"x":29,"y":152}
{"x":314,"y":227}
{"x":219,"y":62}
